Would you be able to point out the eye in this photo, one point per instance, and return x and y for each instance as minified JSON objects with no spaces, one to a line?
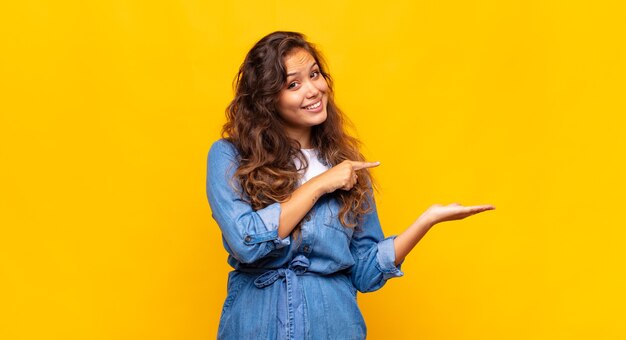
{"x":292,"y":85}
{"x":315,"y":74}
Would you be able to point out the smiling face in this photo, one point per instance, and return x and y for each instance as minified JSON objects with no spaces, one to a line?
{"x":303,"y":101}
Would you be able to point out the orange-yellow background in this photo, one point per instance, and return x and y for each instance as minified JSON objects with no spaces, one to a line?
{"x":109,"y":107}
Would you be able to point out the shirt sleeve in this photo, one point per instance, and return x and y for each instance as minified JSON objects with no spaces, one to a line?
{"x":374,"y":255}
{"x":248,"y":235}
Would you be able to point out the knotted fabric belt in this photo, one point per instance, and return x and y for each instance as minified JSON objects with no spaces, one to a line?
{"x":290,"y":300}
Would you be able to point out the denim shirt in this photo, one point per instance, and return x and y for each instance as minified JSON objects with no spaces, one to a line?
{"x":312,"y":280}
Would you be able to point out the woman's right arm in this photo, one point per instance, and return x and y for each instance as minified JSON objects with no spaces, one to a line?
{"x":341,"y":176}
{"x":298,"y":205}
{"x":248,"y":234}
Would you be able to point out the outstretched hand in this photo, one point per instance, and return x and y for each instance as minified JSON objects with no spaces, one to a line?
{"x":438,"y":213}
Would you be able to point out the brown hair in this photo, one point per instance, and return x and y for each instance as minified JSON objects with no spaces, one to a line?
{"x":267,"y":172}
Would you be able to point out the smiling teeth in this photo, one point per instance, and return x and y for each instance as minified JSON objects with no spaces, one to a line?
{"x":314,"y":106}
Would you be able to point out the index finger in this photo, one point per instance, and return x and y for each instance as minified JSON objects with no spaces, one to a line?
{"x":364,"y":165}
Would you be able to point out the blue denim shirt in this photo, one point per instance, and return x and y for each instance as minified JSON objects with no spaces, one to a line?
{"x":293,"y":289}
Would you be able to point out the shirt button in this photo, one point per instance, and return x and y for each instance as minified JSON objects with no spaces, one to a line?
{"x":306,"y":249}
{"x":307,"y":218}
{"x":248,"y":238}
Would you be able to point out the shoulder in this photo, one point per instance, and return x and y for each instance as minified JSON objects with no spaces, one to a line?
{"x":222,"y":147}
{"x":222,"y":161}
{"x":222,"y":153}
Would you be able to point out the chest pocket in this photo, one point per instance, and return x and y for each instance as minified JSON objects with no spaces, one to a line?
{"x":332,"y":220}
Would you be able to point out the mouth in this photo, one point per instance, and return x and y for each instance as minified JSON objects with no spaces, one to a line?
{"x":313,"y":106}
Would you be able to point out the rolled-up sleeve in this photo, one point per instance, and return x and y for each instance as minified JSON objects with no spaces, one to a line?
{"x":374,"y":255}
{"x":248,"y":235}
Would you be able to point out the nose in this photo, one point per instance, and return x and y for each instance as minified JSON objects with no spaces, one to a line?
{"x":312,"y":90}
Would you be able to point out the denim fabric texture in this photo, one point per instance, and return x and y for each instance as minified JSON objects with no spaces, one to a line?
{"x":293,"y":289}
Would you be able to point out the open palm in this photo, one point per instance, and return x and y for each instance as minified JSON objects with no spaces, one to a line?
{"x":438,"y":213}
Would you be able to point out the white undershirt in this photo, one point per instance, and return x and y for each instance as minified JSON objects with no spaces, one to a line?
{"x":315,"y":166}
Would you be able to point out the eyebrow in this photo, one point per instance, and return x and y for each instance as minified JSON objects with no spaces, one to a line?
{"x":294,"y":73}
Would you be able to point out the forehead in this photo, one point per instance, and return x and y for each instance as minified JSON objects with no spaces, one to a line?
{"x":298,"y":60}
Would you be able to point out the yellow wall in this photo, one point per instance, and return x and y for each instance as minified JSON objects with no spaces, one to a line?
{"x":108,"y":109}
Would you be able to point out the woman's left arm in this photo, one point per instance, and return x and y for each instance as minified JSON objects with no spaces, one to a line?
{"x":374,"y":255}
{"x":378,"y":259}
{"x":437,"y":213}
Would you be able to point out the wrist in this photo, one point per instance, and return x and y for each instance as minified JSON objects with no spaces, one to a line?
{"x":316,"y":186}
{"x":425,"y":222}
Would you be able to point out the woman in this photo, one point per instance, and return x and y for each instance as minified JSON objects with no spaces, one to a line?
{"x":293,"y":198}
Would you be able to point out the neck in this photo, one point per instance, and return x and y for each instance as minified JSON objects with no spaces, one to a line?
{"x":303,"y":136}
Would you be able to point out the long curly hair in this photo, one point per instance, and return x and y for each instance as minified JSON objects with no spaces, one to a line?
{"x":267,"y":172}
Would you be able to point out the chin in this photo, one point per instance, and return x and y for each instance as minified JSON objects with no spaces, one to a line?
{"x":321,"y":118}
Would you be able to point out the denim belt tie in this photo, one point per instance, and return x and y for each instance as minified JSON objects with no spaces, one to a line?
{"x":290,"y":306}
